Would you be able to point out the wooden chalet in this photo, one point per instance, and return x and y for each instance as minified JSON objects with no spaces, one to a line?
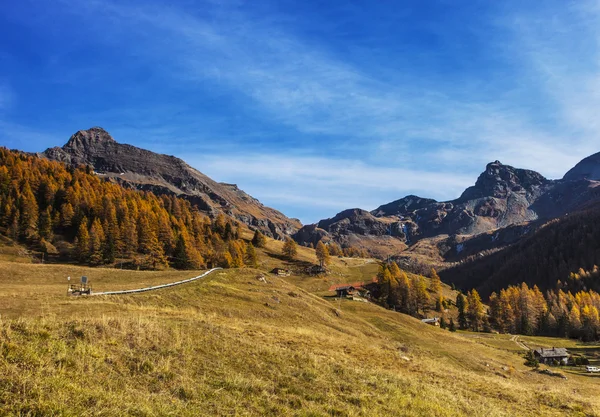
{"x":548,"y":356}
{"x":350,"y":290}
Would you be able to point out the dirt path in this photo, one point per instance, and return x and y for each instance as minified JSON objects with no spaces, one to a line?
{"x":522,"y":345}
{"x":156,"y":287}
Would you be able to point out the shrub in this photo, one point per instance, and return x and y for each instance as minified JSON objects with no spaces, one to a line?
{"x":531,"y":361}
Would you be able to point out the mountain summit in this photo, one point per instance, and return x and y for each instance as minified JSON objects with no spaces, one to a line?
{"x":163,"y":174}
{"x":587,"y":169}
{"x":502,"y":197}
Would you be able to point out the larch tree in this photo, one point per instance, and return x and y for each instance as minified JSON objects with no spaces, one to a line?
{"x":421,"y":296}
{"x":435,"y":284}
{"x":290,"y":249}
{"x":82,"y":241}
{"x":475,"y":311}
{"x":251,"y":258}
{"x":97,"y":241}
{"x":259,"y":240}
{"x":461,"y":305}
{"x":29,"y":213}
{"x":322,"y":254}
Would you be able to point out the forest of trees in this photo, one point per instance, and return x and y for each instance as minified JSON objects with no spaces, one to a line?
{"x":571,"y":309}
{"x":409,"y":295}
{"x":524,"y":310}
{"x":74,"y":214}
{"x":559,"y":248}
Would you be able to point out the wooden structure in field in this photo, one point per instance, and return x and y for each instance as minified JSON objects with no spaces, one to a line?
{"x":82,"y":288}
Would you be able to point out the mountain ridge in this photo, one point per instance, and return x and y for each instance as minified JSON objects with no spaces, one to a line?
{"x":139,"y":168}
{"x":502,"y":197}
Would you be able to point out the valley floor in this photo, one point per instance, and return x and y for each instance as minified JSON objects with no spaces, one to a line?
{"x":232,"y":344}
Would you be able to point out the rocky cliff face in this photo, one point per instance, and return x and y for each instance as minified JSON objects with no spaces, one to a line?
{"x":142,"y":169}
{"x":502,"y":197}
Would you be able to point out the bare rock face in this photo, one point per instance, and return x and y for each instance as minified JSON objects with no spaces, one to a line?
{"x":587,"y":169}
{"x":163,"y":174}
{"x":502,"y":197}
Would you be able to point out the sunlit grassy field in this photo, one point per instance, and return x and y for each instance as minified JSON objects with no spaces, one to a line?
{"x":231,"y":344}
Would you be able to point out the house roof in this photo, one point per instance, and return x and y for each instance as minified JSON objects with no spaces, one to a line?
{"x":433,"y":320}
{"x":355,"y":285}
{"x":552,"y":353}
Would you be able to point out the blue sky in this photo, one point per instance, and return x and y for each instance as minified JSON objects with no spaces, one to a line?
{"x":312,"y":107}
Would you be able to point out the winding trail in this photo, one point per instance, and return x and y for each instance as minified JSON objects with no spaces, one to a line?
{"x":156,"y":287}
{"x":522,"y":345}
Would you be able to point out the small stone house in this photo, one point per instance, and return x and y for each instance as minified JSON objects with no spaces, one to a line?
{"x":548,"y":356}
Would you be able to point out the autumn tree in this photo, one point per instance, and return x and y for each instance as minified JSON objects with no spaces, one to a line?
{"x":237,"y":251}
{"x":29,"y":213}
{"x":290,"y":248}
{"x":435,"y":284}
{"x":421,"y":296}
{"x":323,"y":254}
{"x":461,"y":305}
{"x":97,"y":240}
{"x":335,"y":249}
{"x":384,"y":279}
{"x":251,"y":258}
{"x":475,"y":311}
{"x":82,"y":241}
{"x":259,"y":240}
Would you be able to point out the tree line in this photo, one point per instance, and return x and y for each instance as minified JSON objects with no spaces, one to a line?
{"x":558,"y":312}
{"x":71,"y":212}
{"x":413,"y":295}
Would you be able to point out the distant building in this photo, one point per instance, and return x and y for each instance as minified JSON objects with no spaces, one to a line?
{"x":281,"y":272}
{"x":548,"y":356}
{"x":432,"y":322}
{"x":350,"y":290}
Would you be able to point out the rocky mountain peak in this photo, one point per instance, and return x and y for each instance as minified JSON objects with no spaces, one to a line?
{"x":403,"y":206}
{"x":165,"y":174}
{"x":84,"y":139}
{"x":587,"y":169}
{"x":499,"y":180}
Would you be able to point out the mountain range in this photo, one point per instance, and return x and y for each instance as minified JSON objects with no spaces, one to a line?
{"x":504,"y":206}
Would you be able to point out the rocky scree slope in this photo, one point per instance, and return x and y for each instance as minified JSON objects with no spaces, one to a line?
{"x":162,"y":174}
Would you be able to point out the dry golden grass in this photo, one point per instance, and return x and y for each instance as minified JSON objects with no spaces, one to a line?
{"x":233,"y":345}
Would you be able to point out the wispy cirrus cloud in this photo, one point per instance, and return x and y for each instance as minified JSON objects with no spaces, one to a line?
{"x":304,"y":186}
{"x":355,"y":122}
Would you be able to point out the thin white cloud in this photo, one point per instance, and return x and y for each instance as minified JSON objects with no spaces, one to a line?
{"x":424,"y":136}
{"x":306,"y":88}
{"x":331,"y":184}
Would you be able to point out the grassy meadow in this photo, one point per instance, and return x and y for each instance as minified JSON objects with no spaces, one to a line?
{"x":231,"y":344}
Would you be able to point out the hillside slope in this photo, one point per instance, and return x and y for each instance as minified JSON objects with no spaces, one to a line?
{"x":235,"y":345}
{"x":162,"y":174}
{"x":550,"y":254}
